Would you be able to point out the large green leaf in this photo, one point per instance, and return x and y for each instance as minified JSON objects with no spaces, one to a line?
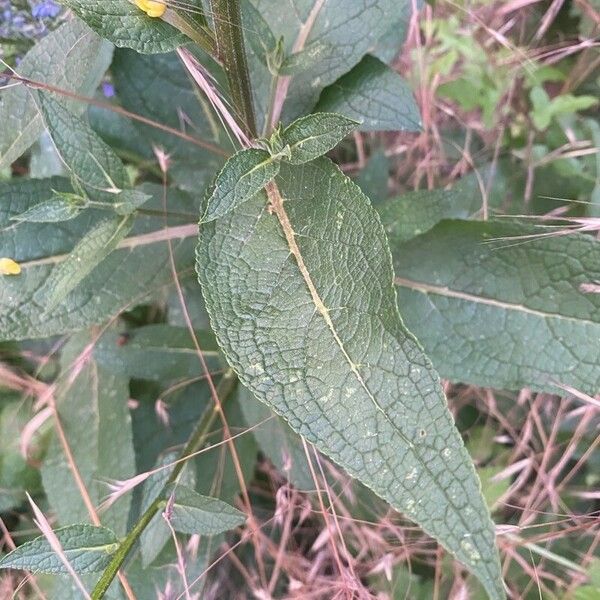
{"x":125,"y":25}
{"x":136,"y":270}
{"x":87,"y":549}
{"x":73,"y":58}
{"x":505,"y":314}
{"x":94,"y":415}
{"x":374,"y":95}
{"x":303,"y":305}
{"x":337,"y":32}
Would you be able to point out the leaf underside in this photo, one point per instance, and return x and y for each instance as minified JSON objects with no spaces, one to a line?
{"x":336,"y":361}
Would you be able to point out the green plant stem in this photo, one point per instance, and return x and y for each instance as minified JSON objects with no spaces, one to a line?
{"x":197,"y":33}
{"x":230,"y":50}
{"x":195,"y":442}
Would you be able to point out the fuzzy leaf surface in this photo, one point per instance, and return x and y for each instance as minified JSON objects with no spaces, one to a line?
{"x":125,"y":25}
{"x":312,"y":136}
{"x":374,"y":95}
{"x":312,"y":328}
{"x":91,"y":161}
{"x":513,"y":311}
{"x":196,"y":514}
{"x":88,"y":549}
{"x":95,"y":246}
{"x":244,"y":174}
{"x":72,"y":57}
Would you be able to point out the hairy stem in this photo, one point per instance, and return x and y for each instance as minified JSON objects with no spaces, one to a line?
{"x":230,"y":49}
{"x":195,"y":442}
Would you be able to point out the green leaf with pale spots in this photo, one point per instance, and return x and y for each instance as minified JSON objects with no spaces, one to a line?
{"x":244,"y":174}
{"x":90,"y":160}
{"x":127,"y":26}
{"x":514,"y":311}
{"x":374,"y":95}
{"x":303,"y":304}
{"x":88,"y":550}
{"x":312,"y":136}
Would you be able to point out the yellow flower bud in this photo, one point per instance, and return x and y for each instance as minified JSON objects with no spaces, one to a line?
{"x":151,"y":7}
{"x":9,"y":267}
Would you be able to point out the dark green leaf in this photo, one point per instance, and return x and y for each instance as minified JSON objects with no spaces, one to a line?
{"x":158,"y":352}
{"x":304,"y":308}
{"x":125,"y":25}
{"x":72,"y":58}
{"x":417,"y":212}
{"x":138,"y":269}
{"x":312,"y":136}
{"x":95,"y":246}
{"x":87,"y":549}
{"x":92,"y":162}
{"x":244,"y":175}
{"x":339,"y":32}
{"x":374,"y":95}
{"x":507,"y":314}
{"x":158,"y":87}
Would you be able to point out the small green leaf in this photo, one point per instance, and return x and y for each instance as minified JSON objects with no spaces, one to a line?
{"x":125,"y":25}
{"x":91,"y":161}
{"x":417,"y":212}
{"x":312,"y":136}
{"x":375,"y":95}
{"x":98,"y":243}
{"x":72,"y":58}
{"x":128,"y":201}
{"x":244,"y":175}
{"x":51,"y":211}
{"x":157,"y":534}
{"x":87,"y":548}
{"x":193,"y":513}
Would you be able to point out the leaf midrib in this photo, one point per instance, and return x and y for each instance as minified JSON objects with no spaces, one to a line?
{"x":445,"y":291}
{"x":144,"y":239}
{"x":278,"y":209}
